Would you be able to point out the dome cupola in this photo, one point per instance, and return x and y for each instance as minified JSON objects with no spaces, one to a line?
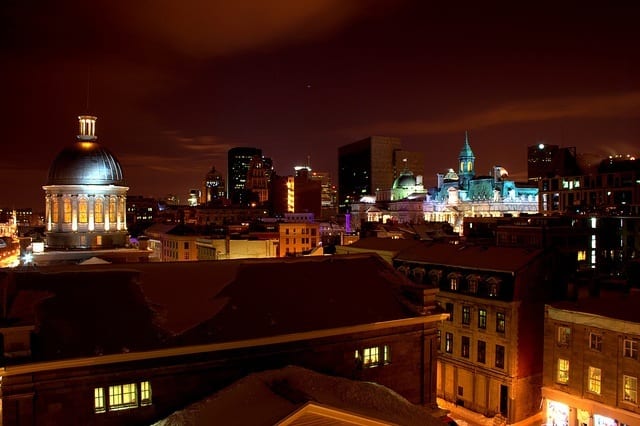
{"x":85,"y":162}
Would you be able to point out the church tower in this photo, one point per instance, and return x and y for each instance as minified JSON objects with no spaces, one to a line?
{"x":466,"y":159}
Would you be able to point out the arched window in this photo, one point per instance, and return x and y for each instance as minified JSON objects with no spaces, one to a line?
{"x":112,"y":209}
{"x":98,"y":210}
{"x":83,"y":210}
{"x":55,"y":209}
{"x":472,"y":283}
{"x":454,"y":280}
{"x":493,"y":286}
{"x":434,"y":276}
{"x":66,"y":205}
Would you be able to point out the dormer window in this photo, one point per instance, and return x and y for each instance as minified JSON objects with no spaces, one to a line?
{"x":493,"y":288}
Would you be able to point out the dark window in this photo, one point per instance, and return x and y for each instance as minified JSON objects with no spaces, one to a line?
{"x":482,"y":351}
{"x":449,"y":308}
{"x":499,"y":356}
{"x":595,"y":341}
{"x":464,"y":348}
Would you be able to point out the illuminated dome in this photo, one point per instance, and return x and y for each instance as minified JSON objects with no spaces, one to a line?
{"x":451,"y":176}
{"x":405,"y":180}
{"x":85,"y":162}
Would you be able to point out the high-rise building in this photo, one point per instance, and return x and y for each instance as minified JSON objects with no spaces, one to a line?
{"x":213,"y":187}
{"x":545,"y":161}
{"x":258,"y":176}
{"x":372,"y":164}
{"x":238,"y":161}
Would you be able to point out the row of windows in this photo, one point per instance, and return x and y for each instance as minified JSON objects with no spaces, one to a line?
{"x":83,"y":210}
{"x":630,"y":347}
{"x":373,"y":356}
{"x":302,"y":241}
{"x":121,"y":397}
{"x":481,"y":349}
{"x":501,"y":318}
{"x":470,"y":283}
{"x":594,"y":384}
{"x":307,"y":231}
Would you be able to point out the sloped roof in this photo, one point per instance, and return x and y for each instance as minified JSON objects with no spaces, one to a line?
{"x":166,"y":304}
{"x":278,"y":395}
{"x":386,"y":244}
{"x":490,"y":258}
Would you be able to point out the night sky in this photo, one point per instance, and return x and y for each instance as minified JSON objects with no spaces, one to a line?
{"x":175,"y":84}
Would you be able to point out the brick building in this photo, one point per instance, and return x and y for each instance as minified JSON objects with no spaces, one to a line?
{"x":109,"y":344}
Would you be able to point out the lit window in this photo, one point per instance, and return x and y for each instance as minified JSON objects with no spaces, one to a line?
{"x":482,"y":318}
{"x":563,"y":371}
{"x":83,"y":208}
{"x":448,"y":343}
{"x":630,"y":391}
{"x":582,"y":255}
{"x":374,"y":356}
{"x":145,"y":393}
{"x":98,"y":212}
{"x":500,"y":322}
{"x":122,"y":397}
{"x":66,"y":205}
{"x":631,"y":348}
{"x":595,"y":341}
{"x":454,"y":283}
{"x":466,"y":315}
{"x":595,"y":380}
{"x":99,"y":402}
{"x":112,"y":209}
{"x":564,"y":335}
{"x":55,"y":210}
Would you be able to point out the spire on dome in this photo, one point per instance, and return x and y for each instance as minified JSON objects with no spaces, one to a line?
{"x":87,"y":128}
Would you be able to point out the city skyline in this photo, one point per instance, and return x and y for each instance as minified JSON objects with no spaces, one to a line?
{"x":175,"y":87}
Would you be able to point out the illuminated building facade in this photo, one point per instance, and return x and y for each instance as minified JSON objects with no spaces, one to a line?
{"x":85,"y":196}
{"x":592,"y":361}
{"x":489,"y":355}
{"x":457,"y":195}
{"x":298,"y":238}
{"x":258,"y":178}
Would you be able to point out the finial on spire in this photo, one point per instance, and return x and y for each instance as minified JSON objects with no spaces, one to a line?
{"x":466,"y":137}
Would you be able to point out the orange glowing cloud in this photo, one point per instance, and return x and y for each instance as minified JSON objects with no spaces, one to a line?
{"x":207,"y":27}
{"x":600,"y":106}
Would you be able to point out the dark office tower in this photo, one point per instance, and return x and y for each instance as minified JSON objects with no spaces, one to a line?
{"x":546,"y":161}
{"x":364,"y":167}
{"x":539,"y":160}
{"x":239,"y":160}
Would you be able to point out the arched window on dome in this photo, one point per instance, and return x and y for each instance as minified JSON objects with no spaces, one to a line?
{"x":55,"y":209}
{"x":98,"y":211}
{"x":83,"y":210}
{"x":469,"y":166}
{"x":66,"y":205}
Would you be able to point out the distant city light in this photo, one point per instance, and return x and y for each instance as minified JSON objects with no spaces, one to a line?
{"x":541,"y":146}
